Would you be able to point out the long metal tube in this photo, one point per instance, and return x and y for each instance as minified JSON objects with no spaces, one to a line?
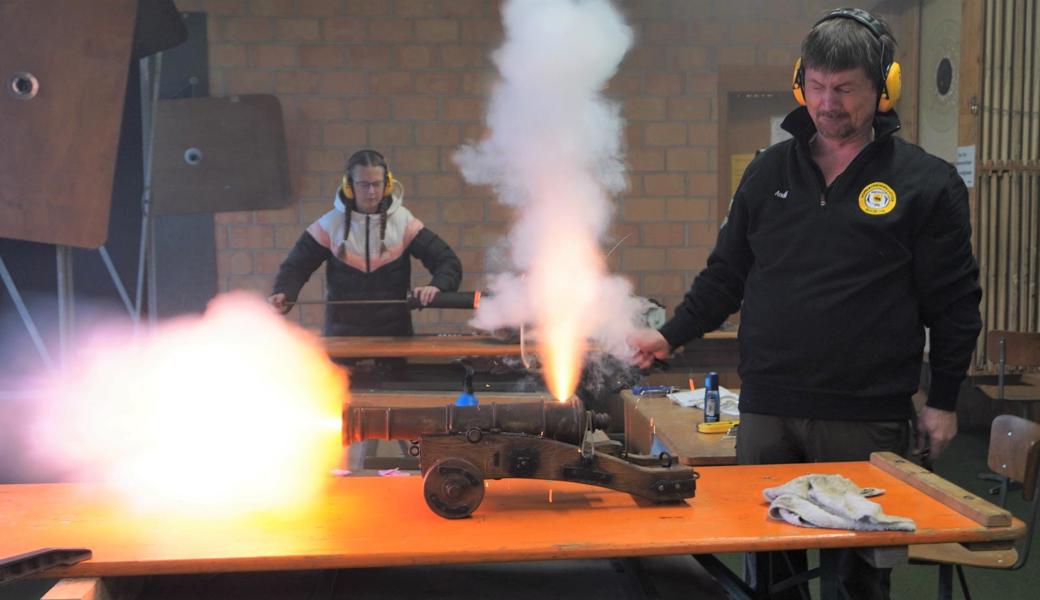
{"x":561,"y":421}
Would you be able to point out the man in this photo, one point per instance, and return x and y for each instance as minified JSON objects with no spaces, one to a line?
{"x":840,"y":247}
{"x":367,"y":241}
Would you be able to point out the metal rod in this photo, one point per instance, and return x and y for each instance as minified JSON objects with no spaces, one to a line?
{"x":146,"y":252}
{"x":23,"y":312}
{"x":346,"y":302}
{"x":66,"y":300}
{"x":466,"y":300}
{"x":116,"y":280}
{"x":153,"y":276}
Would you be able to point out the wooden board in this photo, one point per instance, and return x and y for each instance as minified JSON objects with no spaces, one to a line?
{"x":676,"y":428}
{"x":219,"y":154}
{"x":1021,"y":349}
{"x":949,"y":494}
{"x":436,"y":346}
{"x":1012,"y":393}
{"x":373,"y":521}
{"x":448,"y":346}
{"x":58,"y":160}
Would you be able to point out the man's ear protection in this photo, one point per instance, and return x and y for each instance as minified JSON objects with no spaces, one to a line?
{"x":891,"y":84}
{"x":347,"y":187}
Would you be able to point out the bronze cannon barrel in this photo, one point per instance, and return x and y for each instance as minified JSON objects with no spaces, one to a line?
{"x":561,"y":421}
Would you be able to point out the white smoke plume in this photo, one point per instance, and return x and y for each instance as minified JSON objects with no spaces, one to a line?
{"x":554,"y":154}
{"x":225,"y":413}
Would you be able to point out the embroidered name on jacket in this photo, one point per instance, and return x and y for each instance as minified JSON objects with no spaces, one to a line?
{"x":877,"y":199}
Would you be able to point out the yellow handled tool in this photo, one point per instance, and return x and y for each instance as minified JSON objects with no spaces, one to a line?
{"x":717,"y":426}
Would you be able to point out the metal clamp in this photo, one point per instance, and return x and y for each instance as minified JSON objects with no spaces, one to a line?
{"x":37,"y":561}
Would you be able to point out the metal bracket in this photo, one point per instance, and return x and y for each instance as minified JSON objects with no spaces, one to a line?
{"x":37,"y":561}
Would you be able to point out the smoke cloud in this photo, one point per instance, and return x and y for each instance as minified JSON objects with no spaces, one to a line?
{"x":232,"y":411}
{"x":554,"y":153}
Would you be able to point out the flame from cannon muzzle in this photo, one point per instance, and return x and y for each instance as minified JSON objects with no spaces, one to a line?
{"x":226,"y":413}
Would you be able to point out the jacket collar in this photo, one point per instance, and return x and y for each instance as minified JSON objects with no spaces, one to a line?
{"x":800,"y":125}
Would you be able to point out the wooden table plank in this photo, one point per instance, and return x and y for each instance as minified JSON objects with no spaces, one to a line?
{"x":952,"y":495}
{"x":370,"y":521}
{"x":437,"y":346}
{"x":676,"y":428}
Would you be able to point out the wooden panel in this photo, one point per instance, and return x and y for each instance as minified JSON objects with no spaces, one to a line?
{"x":963,"y":501}
{"x":1012,"y":393}
{"x":93,"y":588}
{"x":57,"y":162}
{"x":1000,"y":35}
{"x":1020,"y":349}
{"x":383,"y":521}
{"x":676,"y":426}
{"x":958,"y":554}
{"x":219,"y":154}
{"x":419,"y":346}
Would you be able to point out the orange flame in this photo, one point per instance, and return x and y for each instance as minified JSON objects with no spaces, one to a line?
{"x":234,"y":412}
{"x":564,"y":279}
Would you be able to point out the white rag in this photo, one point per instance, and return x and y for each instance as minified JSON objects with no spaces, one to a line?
{"x":831,"y":502}
{"x":728,"y":400}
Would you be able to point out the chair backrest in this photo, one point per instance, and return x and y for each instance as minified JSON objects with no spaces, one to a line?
{"x":1021,"y":349}
{"x":1014,"y":451}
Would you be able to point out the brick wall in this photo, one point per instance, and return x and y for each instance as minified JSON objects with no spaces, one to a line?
{"x":409,"y":77}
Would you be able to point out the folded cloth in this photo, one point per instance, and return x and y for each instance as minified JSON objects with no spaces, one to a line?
{"x":831,"y":502}
{"x":728,"y":400}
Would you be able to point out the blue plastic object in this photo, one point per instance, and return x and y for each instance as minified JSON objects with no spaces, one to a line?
{"x":712,"y":406}
{"x":466,"y":399}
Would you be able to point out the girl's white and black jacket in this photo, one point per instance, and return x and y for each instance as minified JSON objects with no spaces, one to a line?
{"x":361,"y":266}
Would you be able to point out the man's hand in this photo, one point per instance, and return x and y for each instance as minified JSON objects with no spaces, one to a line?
{"x":649,"y":344}
{"x":935,"y":429}
{"x":277,"y":301}
{"x":425,"y":294}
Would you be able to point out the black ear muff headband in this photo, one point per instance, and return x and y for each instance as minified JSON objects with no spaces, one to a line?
{"x":891,"y":83}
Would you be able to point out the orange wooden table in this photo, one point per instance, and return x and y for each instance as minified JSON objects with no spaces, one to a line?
{"x":366,"y":522}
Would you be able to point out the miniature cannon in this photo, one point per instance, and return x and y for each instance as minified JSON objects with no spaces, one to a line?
{"x":461,"y":446}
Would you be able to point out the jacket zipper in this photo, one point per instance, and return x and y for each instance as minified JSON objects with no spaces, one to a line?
{"x":368,"y":265}
{"x":823,"y":184}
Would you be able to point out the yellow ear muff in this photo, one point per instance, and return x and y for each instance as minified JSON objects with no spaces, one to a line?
{"x":348,"y":189}
{"x":796,"y":83}
{"x":889,"y":95}
{"x":893,"y":88}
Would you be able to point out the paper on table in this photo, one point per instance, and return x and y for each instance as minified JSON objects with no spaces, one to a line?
{"x":727,"y":400}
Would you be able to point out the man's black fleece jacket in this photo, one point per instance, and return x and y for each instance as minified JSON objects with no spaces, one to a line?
{"x":835,"y":285}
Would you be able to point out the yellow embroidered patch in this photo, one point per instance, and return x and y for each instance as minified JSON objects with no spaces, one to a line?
{"x":877,"y":199}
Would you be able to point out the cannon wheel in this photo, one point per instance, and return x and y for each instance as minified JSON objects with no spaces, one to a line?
{"x":453,"y":488}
